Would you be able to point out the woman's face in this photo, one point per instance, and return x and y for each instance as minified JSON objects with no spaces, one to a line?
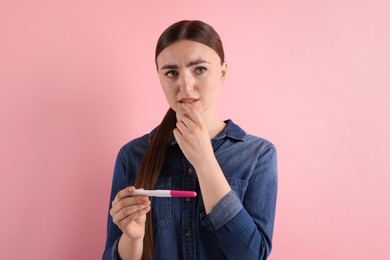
{"x":191,"y":74}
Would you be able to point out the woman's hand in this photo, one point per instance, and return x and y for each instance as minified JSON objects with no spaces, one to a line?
{"x":192,"y":135}
{"x":129,"y":213}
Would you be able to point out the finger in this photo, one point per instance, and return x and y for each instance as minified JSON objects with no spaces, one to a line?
{"x":179,"y":115}
{"x":129,"y":211}
{"x":185,"y":111}
{"x":185,"y":122}
{"x":128,"y":204}
{"x":188,"y":121}
{"x":181,"y":127}
{"x":194,"y":115}
{"x":123,"y":194}
{"x":129,"y":200}
{"x":178,"y":136}
{"x":135,"y":216}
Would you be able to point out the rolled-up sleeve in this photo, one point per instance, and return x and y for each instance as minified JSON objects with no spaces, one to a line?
{"x":112,"y":252}
{"x":223,"y":212}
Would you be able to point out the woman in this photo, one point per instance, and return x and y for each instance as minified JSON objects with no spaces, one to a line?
{"x":234,"y":174}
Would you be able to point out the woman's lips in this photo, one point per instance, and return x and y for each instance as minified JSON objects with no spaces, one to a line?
{"x":188,"y":100}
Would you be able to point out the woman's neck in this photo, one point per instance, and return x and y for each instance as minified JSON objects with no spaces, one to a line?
{"x":214,"y":124}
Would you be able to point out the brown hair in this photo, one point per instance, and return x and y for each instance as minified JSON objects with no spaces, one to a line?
{"x":155,"y":154}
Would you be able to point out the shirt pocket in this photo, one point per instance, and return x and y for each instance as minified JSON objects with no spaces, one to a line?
{"x":162,"y":206}
{"x":238,"y":186}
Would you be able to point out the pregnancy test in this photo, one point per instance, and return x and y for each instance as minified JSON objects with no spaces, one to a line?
{"x":166,"y":193}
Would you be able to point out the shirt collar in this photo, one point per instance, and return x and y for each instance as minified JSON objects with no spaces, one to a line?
{"x":231,"y":131}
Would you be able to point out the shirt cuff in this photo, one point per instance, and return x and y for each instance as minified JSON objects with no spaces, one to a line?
{"x":223,"y":212}
{"x":115,"y":251}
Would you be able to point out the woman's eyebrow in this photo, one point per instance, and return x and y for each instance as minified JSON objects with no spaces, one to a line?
{"x":169,"y":66}
{"x":196,"y":62}
{"x":191,"y":63}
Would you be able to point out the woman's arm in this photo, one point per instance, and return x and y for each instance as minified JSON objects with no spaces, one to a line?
{"x":193,"y":138}
{"x":244,"y":230}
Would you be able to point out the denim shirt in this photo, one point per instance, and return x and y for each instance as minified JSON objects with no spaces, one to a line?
{"x":240,"y":226}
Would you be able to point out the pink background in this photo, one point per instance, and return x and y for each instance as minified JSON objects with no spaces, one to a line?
{"x":78,"y":81}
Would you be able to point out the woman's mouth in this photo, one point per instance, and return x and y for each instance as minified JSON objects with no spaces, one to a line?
{"x":188,"y":100}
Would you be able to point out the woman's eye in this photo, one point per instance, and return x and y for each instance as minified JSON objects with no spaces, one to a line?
{"x":200,"y":70}
{"x":171,"y":74}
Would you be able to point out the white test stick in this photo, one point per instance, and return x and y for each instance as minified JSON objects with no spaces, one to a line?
{"x":165,"y":193}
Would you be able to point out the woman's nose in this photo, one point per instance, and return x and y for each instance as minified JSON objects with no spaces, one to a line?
{"x":186,"y":83}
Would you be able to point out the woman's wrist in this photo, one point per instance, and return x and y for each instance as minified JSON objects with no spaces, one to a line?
{"x":130,"y":248}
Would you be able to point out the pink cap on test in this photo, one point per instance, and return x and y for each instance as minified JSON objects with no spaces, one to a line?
{"x":182,"y":193}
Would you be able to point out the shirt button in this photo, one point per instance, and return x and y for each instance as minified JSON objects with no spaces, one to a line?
{"x":188,"y":200}
{"x":190,"y":170}
{"x":188,"y":234}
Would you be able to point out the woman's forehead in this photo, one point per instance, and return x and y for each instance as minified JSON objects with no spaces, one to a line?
{"x":186,"y":51}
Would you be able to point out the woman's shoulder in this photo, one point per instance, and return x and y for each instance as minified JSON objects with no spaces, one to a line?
{"x":247,"y":138}
{"x":262,"y":145}
{"x":258,"y":139}
{"x":137,"y":145}
{"x":141,"y":140}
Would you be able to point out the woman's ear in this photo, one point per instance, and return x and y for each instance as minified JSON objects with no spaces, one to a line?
{"x":223,"y":72}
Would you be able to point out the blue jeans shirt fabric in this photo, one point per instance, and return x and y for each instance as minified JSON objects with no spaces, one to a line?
{"x":240,"y":226}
